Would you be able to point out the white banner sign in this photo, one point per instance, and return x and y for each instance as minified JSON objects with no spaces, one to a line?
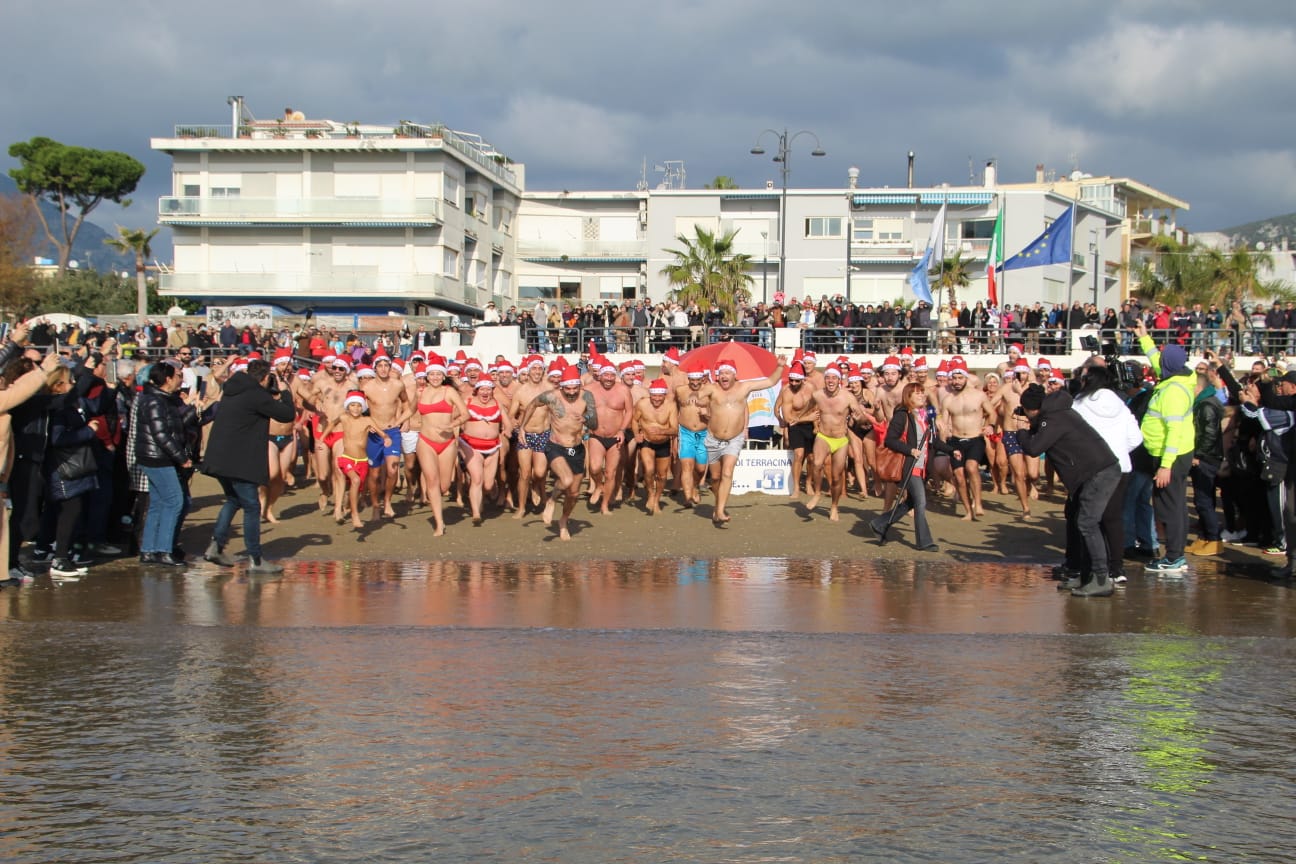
{"x":240,"y":316}
{"x":767,"y":471}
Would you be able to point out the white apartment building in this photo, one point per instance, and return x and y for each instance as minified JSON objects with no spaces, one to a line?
{"x":857,"y":243}
{"x":321,"y":215}
{"x":326,"y":216}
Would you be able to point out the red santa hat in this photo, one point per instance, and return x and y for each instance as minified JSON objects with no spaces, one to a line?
{"x":672,"y":356}
{"x":472,"y":363}
{"x":304,"y":374}
{"x":832,"y":371}
{"x":255,"y":355}
{"x":724,"y":364}
{"x":892,"y":362}
{"x":942,"y":371}
{"x":854,"y":373}
{"x":283,"y":355}
{"x":381,"y":356}
{"x":920,"y":365}
{"x":341,"y":363}
{"x":436,"y":363}
{"x":958,"y":366}
{"x":1044,"y":364}
{"x":505,"y":366}
{"x":1018,"y":347}
{"x":796,"y":372}
{"x":355,"y":397}
{"x":1021,"y":366}
{"x":420,"y":370}
{"x":906,"y":351}
{"x":364,"y":370}
{"x":696,"y":373}
{"x":658,"y":387}
{"x":484,"y":381}
{"x":570,"y":375}
{"x":866,"y":368}
{"x":809,"y":357}
{"x":327,"y":359}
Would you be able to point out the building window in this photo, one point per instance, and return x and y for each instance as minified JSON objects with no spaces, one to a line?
{"x":451,"y":268}
{"x":505,"y":218}
{"x":824,"y":226}
{"x":225,"y":192}
{"x":862,"y":229}
{"x":191,"y":190}
{"x":888,"y":230}
{"x":537,"y":292}
{"x":450,"y":189}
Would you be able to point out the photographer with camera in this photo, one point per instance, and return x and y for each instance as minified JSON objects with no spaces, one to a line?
{"x":1087,"y":467}
{"x":240,"y":433}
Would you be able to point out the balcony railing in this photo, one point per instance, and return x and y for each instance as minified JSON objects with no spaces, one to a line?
{"x":185,"y":209}
{"x":358,"y":282}
{"x":472,"y":147}
{"x":582,"y":249}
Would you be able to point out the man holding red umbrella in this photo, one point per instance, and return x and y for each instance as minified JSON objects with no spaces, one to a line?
{"x":724,"y":410}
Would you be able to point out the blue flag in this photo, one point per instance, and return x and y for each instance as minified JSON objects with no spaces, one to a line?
{"x":918,"y":279}
{"x":1051,"y":247}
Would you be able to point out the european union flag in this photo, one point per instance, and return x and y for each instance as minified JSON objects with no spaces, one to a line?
{"x":1051,"y":247}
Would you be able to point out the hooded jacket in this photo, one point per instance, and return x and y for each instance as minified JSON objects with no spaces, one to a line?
{"x":1074,"y":448}
{"x":236,"y":447}
{"x":1110,"y":417}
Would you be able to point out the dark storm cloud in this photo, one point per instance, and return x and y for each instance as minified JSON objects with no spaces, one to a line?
{"x":1186,"y":96}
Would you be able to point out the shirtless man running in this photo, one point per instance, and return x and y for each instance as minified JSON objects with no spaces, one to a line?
{"x":725,"y":413}
{"x":570,"y":411}
{"x":795,"y":411}
{"x":835,"y":406}
{"x":690,"y":401}
{"x":607,"y":439}
{"x":532,"y":438}
{"x":324,"y":395}
{"x":966,"y":418}
{"x":1023,"y":469}
{"x":656,"y":426}
{"x":389,"y":407}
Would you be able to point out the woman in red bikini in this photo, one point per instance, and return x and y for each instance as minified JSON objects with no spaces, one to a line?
{"x":441,"y":410}
{"x":479,"y":443}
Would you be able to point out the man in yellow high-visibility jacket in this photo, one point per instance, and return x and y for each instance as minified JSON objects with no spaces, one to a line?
{"x":1169,"y":437}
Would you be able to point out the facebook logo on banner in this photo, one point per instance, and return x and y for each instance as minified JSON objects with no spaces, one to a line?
{"x":772,"y":479}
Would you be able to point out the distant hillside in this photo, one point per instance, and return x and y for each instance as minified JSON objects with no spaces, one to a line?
{"x":88,"y":250}
{"x":1269,"y":231}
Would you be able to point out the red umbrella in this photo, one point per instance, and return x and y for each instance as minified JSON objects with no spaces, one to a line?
{"x":752,"y":362}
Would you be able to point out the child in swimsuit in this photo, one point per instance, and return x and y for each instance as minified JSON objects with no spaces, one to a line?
{"x":354,"y":462}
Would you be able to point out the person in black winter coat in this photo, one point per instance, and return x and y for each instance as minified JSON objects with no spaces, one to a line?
{"x":907,"y":428}
{"x":250,"y":401}
{"x":1086,"y":465}
{"x":161,"y":452}
{"x":69,"y":471}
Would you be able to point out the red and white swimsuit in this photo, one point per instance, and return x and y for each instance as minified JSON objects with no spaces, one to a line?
{"x":484,"y":414}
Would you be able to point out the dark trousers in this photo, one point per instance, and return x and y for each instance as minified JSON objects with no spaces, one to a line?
{"x":26,"y":489}
{"x":1112,"y":525}
{"x":915,"y":492}
{"x":1170,"y":504}
{"x":1203,"y":476}
{"x":1091,"y":509}
{"x":239,"y":495}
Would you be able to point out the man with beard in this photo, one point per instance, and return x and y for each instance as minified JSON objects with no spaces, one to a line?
{"x":656,"y":426}
{"x":966,"y":417}
{"x":571,"y":410}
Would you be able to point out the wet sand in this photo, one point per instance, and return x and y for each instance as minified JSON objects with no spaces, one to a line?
{"x":761,"y":526}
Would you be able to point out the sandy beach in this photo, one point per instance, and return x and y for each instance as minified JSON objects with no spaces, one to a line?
{"x":762,"y":526}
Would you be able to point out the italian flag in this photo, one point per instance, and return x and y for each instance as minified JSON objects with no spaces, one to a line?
{"x":994,"y":259}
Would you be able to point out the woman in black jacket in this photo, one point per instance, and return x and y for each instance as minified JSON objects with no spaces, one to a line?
{"x":908,"y":428}
{"x":69,"y":468}
{"x":161,"y":450}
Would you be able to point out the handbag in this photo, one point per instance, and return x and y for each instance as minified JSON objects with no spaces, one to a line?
{"x":890,"y":464}
{"x":73,"y":463}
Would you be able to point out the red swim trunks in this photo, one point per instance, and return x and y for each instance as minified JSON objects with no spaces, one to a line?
{"x":358,"y":467}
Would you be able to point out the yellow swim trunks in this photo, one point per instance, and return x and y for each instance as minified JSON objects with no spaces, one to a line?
{"x":834,"y":444}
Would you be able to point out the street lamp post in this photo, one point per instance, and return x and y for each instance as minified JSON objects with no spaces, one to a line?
{"x":765,"y":266}
{"x":782,"y":154}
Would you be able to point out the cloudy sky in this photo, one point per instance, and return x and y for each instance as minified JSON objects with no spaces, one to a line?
{"x":1189,"y":96}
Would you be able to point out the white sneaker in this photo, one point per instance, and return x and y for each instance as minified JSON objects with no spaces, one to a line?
{"x":1120,"y":579}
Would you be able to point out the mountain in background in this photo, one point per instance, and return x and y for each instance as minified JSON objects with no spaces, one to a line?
{"x":1270,"y":231}
{"x":88,"y":251}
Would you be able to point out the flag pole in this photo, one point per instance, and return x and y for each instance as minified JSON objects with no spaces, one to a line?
{"x":1070,"y":277}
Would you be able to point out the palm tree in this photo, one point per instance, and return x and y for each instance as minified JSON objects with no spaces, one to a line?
{"x":136,"y":241}
{"x":953,"y":274}
{"x":706,"y":270}
{"x":722,"y":181}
